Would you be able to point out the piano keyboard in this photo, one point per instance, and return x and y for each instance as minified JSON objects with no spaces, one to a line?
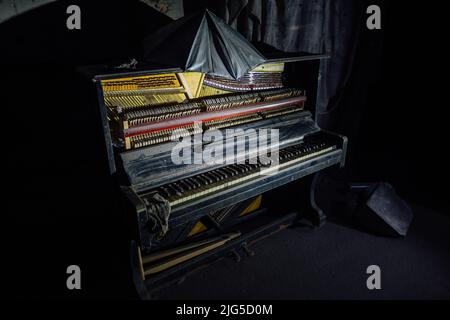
{"x":205,"y":184}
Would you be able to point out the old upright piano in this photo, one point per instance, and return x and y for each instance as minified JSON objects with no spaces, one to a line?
{"x":188,"y":213}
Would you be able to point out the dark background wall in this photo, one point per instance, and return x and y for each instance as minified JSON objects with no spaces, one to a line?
{"x":61,"y":201}
{"x":388,"y":98}
{"x":403,"y":124}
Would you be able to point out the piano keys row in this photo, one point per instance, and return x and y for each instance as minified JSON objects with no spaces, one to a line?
{"x":219,"y":179}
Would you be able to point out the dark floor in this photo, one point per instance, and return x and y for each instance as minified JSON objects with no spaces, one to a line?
{"x":330,"y":263}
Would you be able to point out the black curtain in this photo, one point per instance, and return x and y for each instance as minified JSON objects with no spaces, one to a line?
{"x":377,"y":89}
{"x":318,"y":26}
{"x":337,"y":28}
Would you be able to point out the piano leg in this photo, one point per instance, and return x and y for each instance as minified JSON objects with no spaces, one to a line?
{"x":309,"y":208}
{"x":318,"y":216}
{"x":138,"y":272}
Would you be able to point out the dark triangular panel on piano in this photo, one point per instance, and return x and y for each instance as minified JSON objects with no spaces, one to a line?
{"x":202,"y":42}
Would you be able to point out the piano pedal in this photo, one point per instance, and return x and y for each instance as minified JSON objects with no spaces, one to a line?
{"x":180,"y":280}
{"x":236,"y":256}
{"x":247,"y":250}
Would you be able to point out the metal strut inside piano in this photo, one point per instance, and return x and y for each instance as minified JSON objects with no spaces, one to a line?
{"x":147,"y":113}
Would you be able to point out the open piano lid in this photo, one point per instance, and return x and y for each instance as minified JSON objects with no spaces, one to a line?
{"x":204,"y":43}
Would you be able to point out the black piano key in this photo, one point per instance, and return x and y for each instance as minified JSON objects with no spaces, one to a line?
{"x":249,"y":167}
{"x":176,"y":185}
{"x":181,"y":186}
{"x":241,"y":168}
{"x":174,"y":191}
{"x":289,"y":154}
{"x":188,"y":185}
{"x":196,"y":181}
{"x":229,"y":173}
{"x":166,"y":193}
{"x":170,"y":192}
{"x":202,"y":180}
{"x":232,"y":168}
{"x":222,"y":173}
{"x":214,"y":176}
{"x":207,"y":178}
